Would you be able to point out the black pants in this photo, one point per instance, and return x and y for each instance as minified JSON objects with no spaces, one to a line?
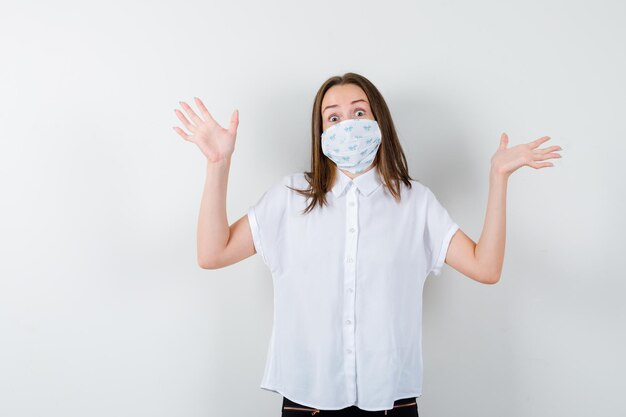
{"x":405,"y":407}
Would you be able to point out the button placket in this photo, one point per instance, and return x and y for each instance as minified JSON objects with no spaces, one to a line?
{"x":349,"y":328}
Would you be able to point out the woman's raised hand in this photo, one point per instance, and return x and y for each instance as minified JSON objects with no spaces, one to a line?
{"x":507,"y":160}
{"x":215,"y":142}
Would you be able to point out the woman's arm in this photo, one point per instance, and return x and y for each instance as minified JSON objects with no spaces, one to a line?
{"x":218,"y":244}
{"x":483,"y":261}
{"x":213,"y":230}
{"x":489,"y":251}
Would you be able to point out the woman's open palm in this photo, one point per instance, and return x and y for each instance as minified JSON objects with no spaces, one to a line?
{"x":508,"y":160}
{"x":214,"y":141}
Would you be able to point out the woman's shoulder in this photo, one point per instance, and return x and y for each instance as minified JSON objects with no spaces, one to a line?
{"x":424,"y":196}
{"x":417,"y":189}
{"x":295,"y":180}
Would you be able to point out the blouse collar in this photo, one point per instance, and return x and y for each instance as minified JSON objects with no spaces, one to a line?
{"x":366,"y":182}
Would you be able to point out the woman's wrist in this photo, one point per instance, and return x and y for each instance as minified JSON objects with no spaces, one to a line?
{"x":496,"y":174}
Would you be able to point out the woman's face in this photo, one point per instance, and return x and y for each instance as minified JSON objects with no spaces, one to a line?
{"x":343,"y":102}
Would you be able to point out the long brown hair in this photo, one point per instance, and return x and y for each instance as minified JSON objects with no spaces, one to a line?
{"x":389,"y":161}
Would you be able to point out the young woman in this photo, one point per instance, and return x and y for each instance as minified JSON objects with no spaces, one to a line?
{"x":349,"y":245}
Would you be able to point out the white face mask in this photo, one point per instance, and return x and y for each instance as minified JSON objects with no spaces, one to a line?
{"x":352,"y":144}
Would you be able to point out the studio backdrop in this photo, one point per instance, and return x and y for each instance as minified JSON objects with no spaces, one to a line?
{"x":104,"y":310}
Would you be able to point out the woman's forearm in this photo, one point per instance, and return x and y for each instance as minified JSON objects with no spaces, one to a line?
{"x":489,"y":251}
{"x":213,"y":228}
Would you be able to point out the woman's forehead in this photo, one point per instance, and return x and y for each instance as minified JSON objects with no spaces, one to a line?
{"x":343,"y":95}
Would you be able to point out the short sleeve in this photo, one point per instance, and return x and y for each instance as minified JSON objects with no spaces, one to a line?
{"x":438,"y":232}
{"x":266,"y":219}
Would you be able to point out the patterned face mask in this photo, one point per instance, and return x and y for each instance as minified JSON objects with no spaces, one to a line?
{"x":352,"y":144}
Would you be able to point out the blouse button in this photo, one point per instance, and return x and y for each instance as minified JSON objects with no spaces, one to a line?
{"x":349,"y":350}
{"x":352,"y":229}
{"x":349,"y":259}
{"x":350,"y":290}
{"x":348,"y":322}
{"x":351,"y":203}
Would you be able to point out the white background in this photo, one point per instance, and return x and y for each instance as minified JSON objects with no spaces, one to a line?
{"x":103,"y":309}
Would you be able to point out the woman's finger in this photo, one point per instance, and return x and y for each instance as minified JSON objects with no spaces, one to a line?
{"x":543,"y":157}
{"x":546,"y":150}
{"x":204,"y":110}
{"x":192,"y":115}
{"x":538,"y":165}
{"x":538,"y":142}
{"x":182,"y":133}
{"x":186,"y":122}
{"x":234,"y":121}
{"x":504,"y":140}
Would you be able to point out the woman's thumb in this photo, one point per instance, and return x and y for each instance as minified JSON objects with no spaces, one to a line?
{"x":234,"y":121}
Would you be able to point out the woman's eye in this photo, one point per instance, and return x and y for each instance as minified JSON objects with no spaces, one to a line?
{"x":331,"y":118}
{"x":363,"y":111}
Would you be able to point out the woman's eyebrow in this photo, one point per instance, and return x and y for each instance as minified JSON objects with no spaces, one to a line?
{"x":336,"y":105}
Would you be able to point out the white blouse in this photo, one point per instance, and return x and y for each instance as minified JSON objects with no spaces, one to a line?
{"x":348,"y":282}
